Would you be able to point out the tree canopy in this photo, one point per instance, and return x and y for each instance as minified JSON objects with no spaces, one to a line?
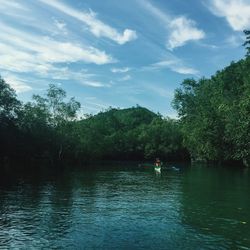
{"x":247,"y":42}
{"x":215,"y":113}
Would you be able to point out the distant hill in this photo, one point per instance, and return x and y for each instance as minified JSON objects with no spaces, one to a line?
{"x":130,"y":134}
{"x":123,"y":119}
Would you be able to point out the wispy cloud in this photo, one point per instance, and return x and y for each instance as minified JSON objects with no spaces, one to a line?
{"x":61,"y":26}
{"x":174,"y":64}
{"x":92,"y":83}
{"x":125,"y":78}
{"x":156,"y":12}
{"x":160,"y":91}
{"x":120,"y":70}
{"x":209,"y":46}
{"x":94,"y":102}
{"x":236,"y":12}
{"x":181,"y":29}
{"x":29,"y":53}
{"x":83,"y":77}
{"x":16,"y":9}
{"x":10,"y":5}
{"x":234,"y":41}
{"x":96,"y":27}
{"x":18,"y":84}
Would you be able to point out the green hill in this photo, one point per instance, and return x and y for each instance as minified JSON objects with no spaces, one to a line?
{"x":128,"y":134}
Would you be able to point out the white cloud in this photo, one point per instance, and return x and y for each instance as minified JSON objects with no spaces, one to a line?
{"x":7,"y":5}
{"x":18,"y":84}
{"x":15,"y":9}
{"x":120,"y":70}
{"x":49,"y":50}
{"x":96,"y":27}
{"x":125,"y":78}
{"x":181,"y":29}
{"x":28,"y":53}
{"x":95,"y":84}
{"x":236,"y":12}
{"x":175,"y":65}
{"x":61,"y":26}
{"x":128,"y":35}
{"x":60,"y":52}
{"x":23,"y":52}
{"x":41,"y":60}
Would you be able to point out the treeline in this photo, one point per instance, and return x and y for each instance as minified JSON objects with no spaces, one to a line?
{"x":47,"y":128}
{"x":215,"y":113}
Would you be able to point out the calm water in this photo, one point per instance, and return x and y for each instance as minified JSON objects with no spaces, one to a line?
{"x":124,"y":208}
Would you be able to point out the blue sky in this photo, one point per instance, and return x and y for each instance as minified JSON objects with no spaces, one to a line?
{"x":118,"y":53}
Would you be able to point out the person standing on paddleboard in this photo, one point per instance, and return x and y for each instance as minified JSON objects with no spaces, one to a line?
{"x":157,"y":162}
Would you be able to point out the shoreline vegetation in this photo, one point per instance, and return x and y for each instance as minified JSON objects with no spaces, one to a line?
{"x":213,"y":125}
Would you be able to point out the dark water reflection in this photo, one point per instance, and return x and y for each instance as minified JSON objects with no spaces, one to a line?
{"x":125,"y":208}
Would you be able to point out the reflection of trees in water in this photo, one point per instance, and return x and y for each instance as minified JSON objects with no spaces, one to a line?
{"x":46,"y":206}
{"x":33,"y":205}
{"x":216,"y":202}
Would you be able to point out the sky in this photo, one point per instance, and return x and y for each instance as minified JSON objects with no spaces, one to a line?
{"x":118,"y":53}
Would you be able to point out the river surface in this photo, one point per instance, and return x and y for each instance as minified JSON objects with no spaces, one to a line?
{"x":126,"y":208}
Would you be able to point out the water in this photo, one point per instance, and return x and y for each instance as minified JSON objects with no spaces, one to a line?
{"x":125,"y":208}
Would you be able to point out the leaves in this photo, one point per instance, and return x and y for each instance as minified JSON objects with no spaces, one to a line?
{"x":247,"y":42}
{"x":215,"y":113}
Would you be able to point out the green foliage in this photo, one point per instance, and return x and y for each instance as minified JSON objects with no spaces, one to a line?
{"x":215,"y":114}
{"x":247,"y":42}
{"x":9,"y":105}
{"x":40,"y":128}
{"x":9,"y":110}
{"x":134,"y":133}
{"x":47,"y":128}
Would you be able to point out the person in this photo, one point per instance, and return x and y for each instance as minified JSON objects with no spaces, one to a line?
{"x":157,"y":162}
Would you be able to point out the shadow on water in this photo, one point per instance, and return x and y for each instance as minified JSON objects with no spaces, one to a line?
{"x":215,"y":202}
{"x":32,"y":202}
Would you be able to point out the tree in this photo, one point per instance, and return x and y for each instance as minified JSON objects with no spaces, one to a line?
{"x":214,"y":114}
{"x":47,"y":122}
{"x":247,"y":42}
{"x":9,"y":111}
{"x":9,"y":105}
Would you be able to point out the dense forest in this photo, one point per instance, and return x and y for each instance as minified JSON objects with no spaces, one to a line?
{"x":215,"y":113}
{"x":213,"y":124}
{"x":48,"y":128}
